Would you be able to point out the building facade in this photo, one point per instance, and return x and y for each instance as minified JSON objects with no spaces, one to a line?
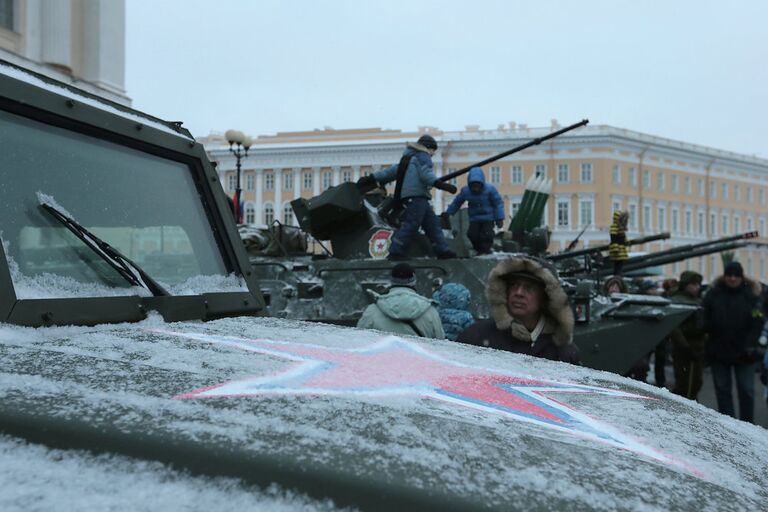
{"x":694,"y":192}
{"x":80,"y":42}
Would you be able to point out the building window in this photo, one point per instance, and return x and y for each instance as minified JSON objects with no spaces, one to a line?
{"x":675,"y":220}
{"x":750,"y":224}
{"x":288,"y":214}
{"x":675,"y":183}
{"x":701,"y":187}
{"x":736,"y":194}
{"x":585,"y":213}
{"x":712,"y":190}
{"x":327,"y":180}
{"x":660,"y":183}
{"x":616,"y":175}
{"x":7,"y":14}
{"x":541,"y":171}
{"x":724,"y":192}
{"x":749,"y":194}
{"x":563,"y":173}
{"x":702,"y":228}
{"x":563,"y":214}
{"x":761,"y":195}
{"x":250,"y":213}
{"x":632,"y":216}
{"x":724,"y":226}
{"x":249,"y":178}
{"x":749,"y":266}
{"x":495,"y":175}
{"x":231,"y":182}
{"x":712,"y":265}
{"x":288,"y":180}
{"x":346,"y":176}
{"x":632,"y":176}
{"x":761,"y":231}
{"x":661,"y":218}
{"x":647,"y":180}
{"x":269,"y":214}
{"x":736,"y":224}
{"x":688,"y":187}
{"x":269,"y":181}
{"x":647,"y":217}
{"x":514,"y":207}
{"x":307,"y":180}
{"x":688,"y":223}
{"x":762,"y":268}
{"x":586,"y":173}
{"x":701,"y":265}
{"x":615,"y":207}
{"x":713,"y":224}
{"x":517,"y":174}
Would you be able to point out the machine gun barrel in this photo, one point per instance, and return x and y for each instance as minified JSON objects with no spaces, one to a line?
{"x":534,"y":142}
{"x":601,"y":248}
{"x":655,"y":260}
{"x":689,"y":247}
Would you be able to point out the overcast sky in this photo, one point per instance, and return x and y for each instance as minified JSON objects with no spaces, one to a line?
{"x":695,"y":71}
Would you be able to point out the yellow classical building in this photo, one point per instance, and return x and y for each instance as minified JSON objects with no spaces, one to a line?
{"x":697,"y":193}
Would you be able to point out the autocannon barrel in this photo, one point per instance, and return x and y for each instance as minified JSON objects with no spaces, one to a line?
{"x":527,"y":145}
{"x":602,"y":248}
{"x":657,"y":259}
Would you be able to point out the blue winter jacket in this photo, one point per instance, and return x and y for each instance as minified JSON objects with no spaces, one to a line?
{"x":454,"y":301}
{"x":419,"y":177}
{"x":486,"y":205}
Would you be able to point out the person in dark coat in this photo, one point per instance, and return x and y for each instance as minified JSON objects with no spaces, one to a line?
{"x":732,"y":318}
{"x":486,"y":208}
{"x":415,"y":197}
{"x":688,"y":339}
{"x":453,"y":307}
{"x":530,"y":312}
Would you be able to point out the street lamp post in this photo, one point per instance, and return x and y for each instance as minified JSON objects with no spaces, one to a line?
{"x":239,"y":144}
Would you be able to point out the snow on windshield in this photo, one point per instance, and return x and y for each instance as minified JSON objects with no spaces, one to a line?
{"x":418,"y":441}
{"x":37,"y":478}
{"x":53,"y":286}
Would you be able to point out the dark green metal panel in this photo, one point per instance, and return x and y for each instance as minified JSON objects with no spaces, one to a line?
{"x":7,"y":297}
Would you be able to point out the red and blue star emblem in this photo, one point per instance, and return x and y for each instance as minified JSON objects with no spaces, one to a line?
{"x":395,"y":367}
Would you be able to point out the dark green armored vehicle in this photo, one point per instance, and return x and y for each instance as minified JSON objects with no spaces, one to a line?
{"x":136,"y":374}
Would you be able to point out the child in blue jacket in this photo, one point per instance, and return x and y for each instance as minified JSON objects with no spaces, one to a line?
{"x":486,"y":207}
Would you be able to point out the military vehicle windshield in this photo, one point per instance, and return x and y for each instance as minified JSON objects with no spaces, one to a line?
{"x":145,"y":206}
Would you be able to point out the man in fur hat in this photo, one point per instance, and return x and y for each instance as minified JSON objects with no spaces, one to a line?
{"x":732,"y":319}
{"x":530,"y":312}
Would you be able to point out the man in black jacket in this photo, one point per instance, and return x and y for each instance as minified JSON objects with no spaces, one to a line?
{"x":732,"y":319}
{"x":530,"y":312}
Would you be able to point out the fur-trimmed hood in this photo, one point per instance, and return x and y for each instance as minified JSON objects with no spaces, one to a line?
{"x":754,"y":286}
{"x":417,"y":147}
{"x":558,"y":313}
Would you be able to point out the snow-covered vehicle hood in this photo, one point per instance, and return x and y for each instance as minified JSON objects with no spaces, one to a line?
{"x":374,"y":421}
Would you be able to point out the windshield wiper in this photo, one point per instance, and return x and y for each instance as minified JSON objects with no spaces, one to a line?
{"x":130,"y":271}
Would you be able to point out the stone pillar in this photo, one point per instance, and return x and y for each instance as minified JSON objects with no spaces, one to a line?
{"x":259,"y":196}
{"x":355,"y":172}
{"x":103,"y":43}
{"x":336,"y":175}
{"x":297,"y":182}
{"x":56,"y":32}
{"x":278,"y":193}
{"x":315,"y":181}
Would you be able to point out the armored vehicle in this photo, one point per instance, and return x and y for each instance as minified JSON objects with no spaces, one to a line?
{"x":135,"y":375}
{"x":333,"y":284}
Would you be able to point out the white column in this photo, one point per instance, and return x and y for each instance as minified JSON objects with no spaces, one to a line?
{"x":355,"y":172}
{"x":438,"y":168}
{"x":278,"y":193}
{"x":315,"y":181}
{"x":103,"y":43}
{"x":297,"y":182}
{"x":259,"y":196}
{"x":336,"y":175}
{"x":56,"y":32}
